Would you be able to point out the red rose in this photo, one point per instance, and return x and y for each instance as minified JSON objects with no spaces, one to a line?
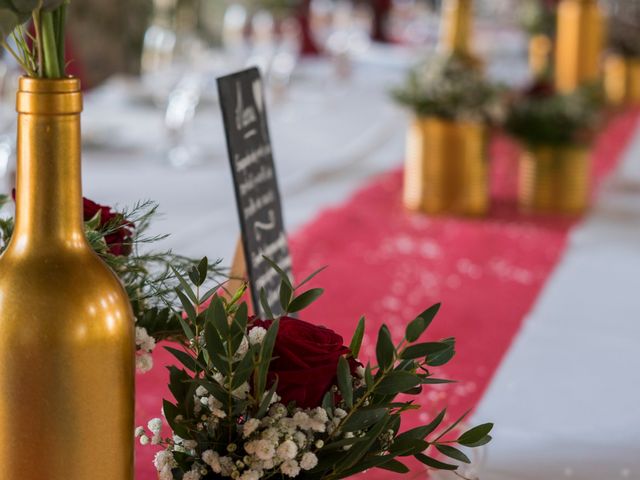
{"x":119,"y":241}
{"x":305,"y":360}
{"x":540,"y":89}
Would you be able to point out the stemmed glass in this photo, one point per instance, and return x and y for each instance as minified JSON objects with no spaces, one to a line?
{"x":342,"y":29}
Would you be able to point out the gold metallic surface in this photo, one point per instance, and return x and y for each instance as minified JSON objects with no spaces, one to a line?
{"x":622,"y":80}
{"x":446,"y":167}
{"x":579,"y":43}
{"x":540,"y":49}
{"x":457,"y":30}
{"x":554,"y":179}
{"x":66,"y":327}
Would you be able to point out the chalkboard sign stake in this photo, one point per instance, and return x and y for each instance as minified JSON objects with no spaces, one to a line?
{"x":237,"y":273}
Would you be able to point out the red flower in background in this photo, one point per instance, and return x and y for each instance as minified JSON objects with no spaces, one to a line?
{"x":119,"y":240}
{"x":540,"y":89}
{"x":305,"y":360}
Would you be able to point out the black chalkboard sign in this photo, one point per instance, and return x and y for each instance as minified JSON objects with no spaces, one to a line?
{"x":242,"y":101}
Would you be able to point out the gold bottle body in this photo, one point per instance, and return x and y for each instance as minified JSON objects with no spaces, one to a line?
{"x":67,"y":342}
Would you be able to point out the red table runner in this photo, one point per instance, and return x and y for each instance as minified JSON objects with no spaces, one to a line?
{"x":389,"y":265}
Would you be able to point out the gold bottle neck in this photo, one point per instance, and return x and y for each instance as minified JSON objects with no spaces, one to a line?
{"x":48,"y":189}
{"x":456,"y":33}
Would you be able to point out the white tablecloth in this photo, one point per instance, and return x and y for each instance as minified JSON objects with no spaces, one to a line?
{"x":566,"y":399}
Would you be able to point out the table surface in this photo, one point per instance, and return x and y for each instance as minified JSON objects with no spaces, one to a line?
{"x":565,"y":399}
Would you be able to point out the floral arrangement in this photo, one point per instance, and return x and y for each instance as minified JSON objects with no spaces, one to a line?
{"x":259,"y":398}
{"x":120,"y":238}
{"x":541,"y":116}
{"x":447,"y":87}
{"x":42,"y":54}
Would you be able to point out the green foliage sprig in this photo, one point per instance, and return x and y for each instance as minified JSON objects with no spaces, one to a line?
{"x":549,"y":118}
{"x":45,"y":57}
{"x":149,"y":276}
{"x":224,"y":406}
{"x":449,"y":88}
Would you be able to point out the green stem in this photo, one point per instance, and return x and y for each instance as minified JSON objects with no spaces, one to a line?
{"x":39,"y":48}
{"x":60,"y":24}
{"x":49,"y":52}
{"x":17,"y":57}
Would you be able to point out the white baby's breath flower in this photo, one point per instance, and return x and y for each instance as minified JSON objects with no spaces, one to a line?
{"x":250,"y":475}
{"x":287,"y":450}
{"x":227,"y":466}
{"x":302,"y":420}
{"x":287,"y":425}
{"x":320,"y":414}
{"x":360,"y":371}
{"x":156,"y":439}
{"x":340,"y":413}
{"x":213,"y":403}
{"x":290,"y":468}
{"x":138,"y":432}
{"x":144,"y":362}
{"x":144,"y":340}
{"x":319,"y":444}
{"x":277,"y":410}
{"x":256,"y":335}
{"x":189,"y":444}
{"x":308,"y":461}
{"x":300,"y":439}
{"x":264,"y":450}
{"x":192,"y":475}
{"x":162,"y":459}
{"x":271,"y":434}
{"x":144,"y":440}
{"x":250,"y":426}
{"x":165,"y":473}
{"x":201,"y":391}
{"x":155,"y":425}
{"x":212,"y":459}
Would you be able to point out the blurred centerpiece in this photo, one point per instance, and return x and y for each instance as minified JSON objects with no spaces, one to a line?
{"x":622,"y":64}
{"x":556,"y":131}
{"x":446,"y":160}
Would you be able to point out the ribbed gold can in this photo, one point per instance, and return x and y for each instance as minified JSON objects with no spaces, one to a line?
{"x":446,"y":167}
{"x":622,"y":80}
{"x":554,"y":179}
{"x":540,"y":49}
{"x":579,"y":43}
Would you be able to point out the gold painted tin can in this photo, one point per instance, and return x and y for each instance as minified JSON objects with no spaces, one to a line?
{"x":554,"y":179}
{"x":579,"y":43}
{"x":622,"y":80}
{"x":446,"y":167}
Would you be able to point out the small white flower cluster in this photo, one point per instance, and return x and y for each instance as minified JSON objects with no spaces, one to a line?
{"x":145,"y":344}
{"x":155,"y":427}
{"x":283,"y":441}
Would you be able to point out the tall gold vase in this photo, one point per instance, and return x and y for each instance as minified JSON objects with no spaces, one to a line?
{"x":66,"y":341}
{"x":446,"y":167}
{"x":579,"y":43}
{"x":554,"y":179}
{"x":622,"y":80}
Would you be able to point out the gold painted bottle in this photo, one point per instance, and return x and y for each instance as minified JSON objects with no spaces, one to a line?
{"x":67,"y":340}
{"x":456,"y":30}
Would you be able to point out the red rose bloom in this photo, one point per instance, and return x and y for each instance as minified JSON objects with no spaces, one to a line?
{"x":305,"y":360}
{"x":119,"y":241}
